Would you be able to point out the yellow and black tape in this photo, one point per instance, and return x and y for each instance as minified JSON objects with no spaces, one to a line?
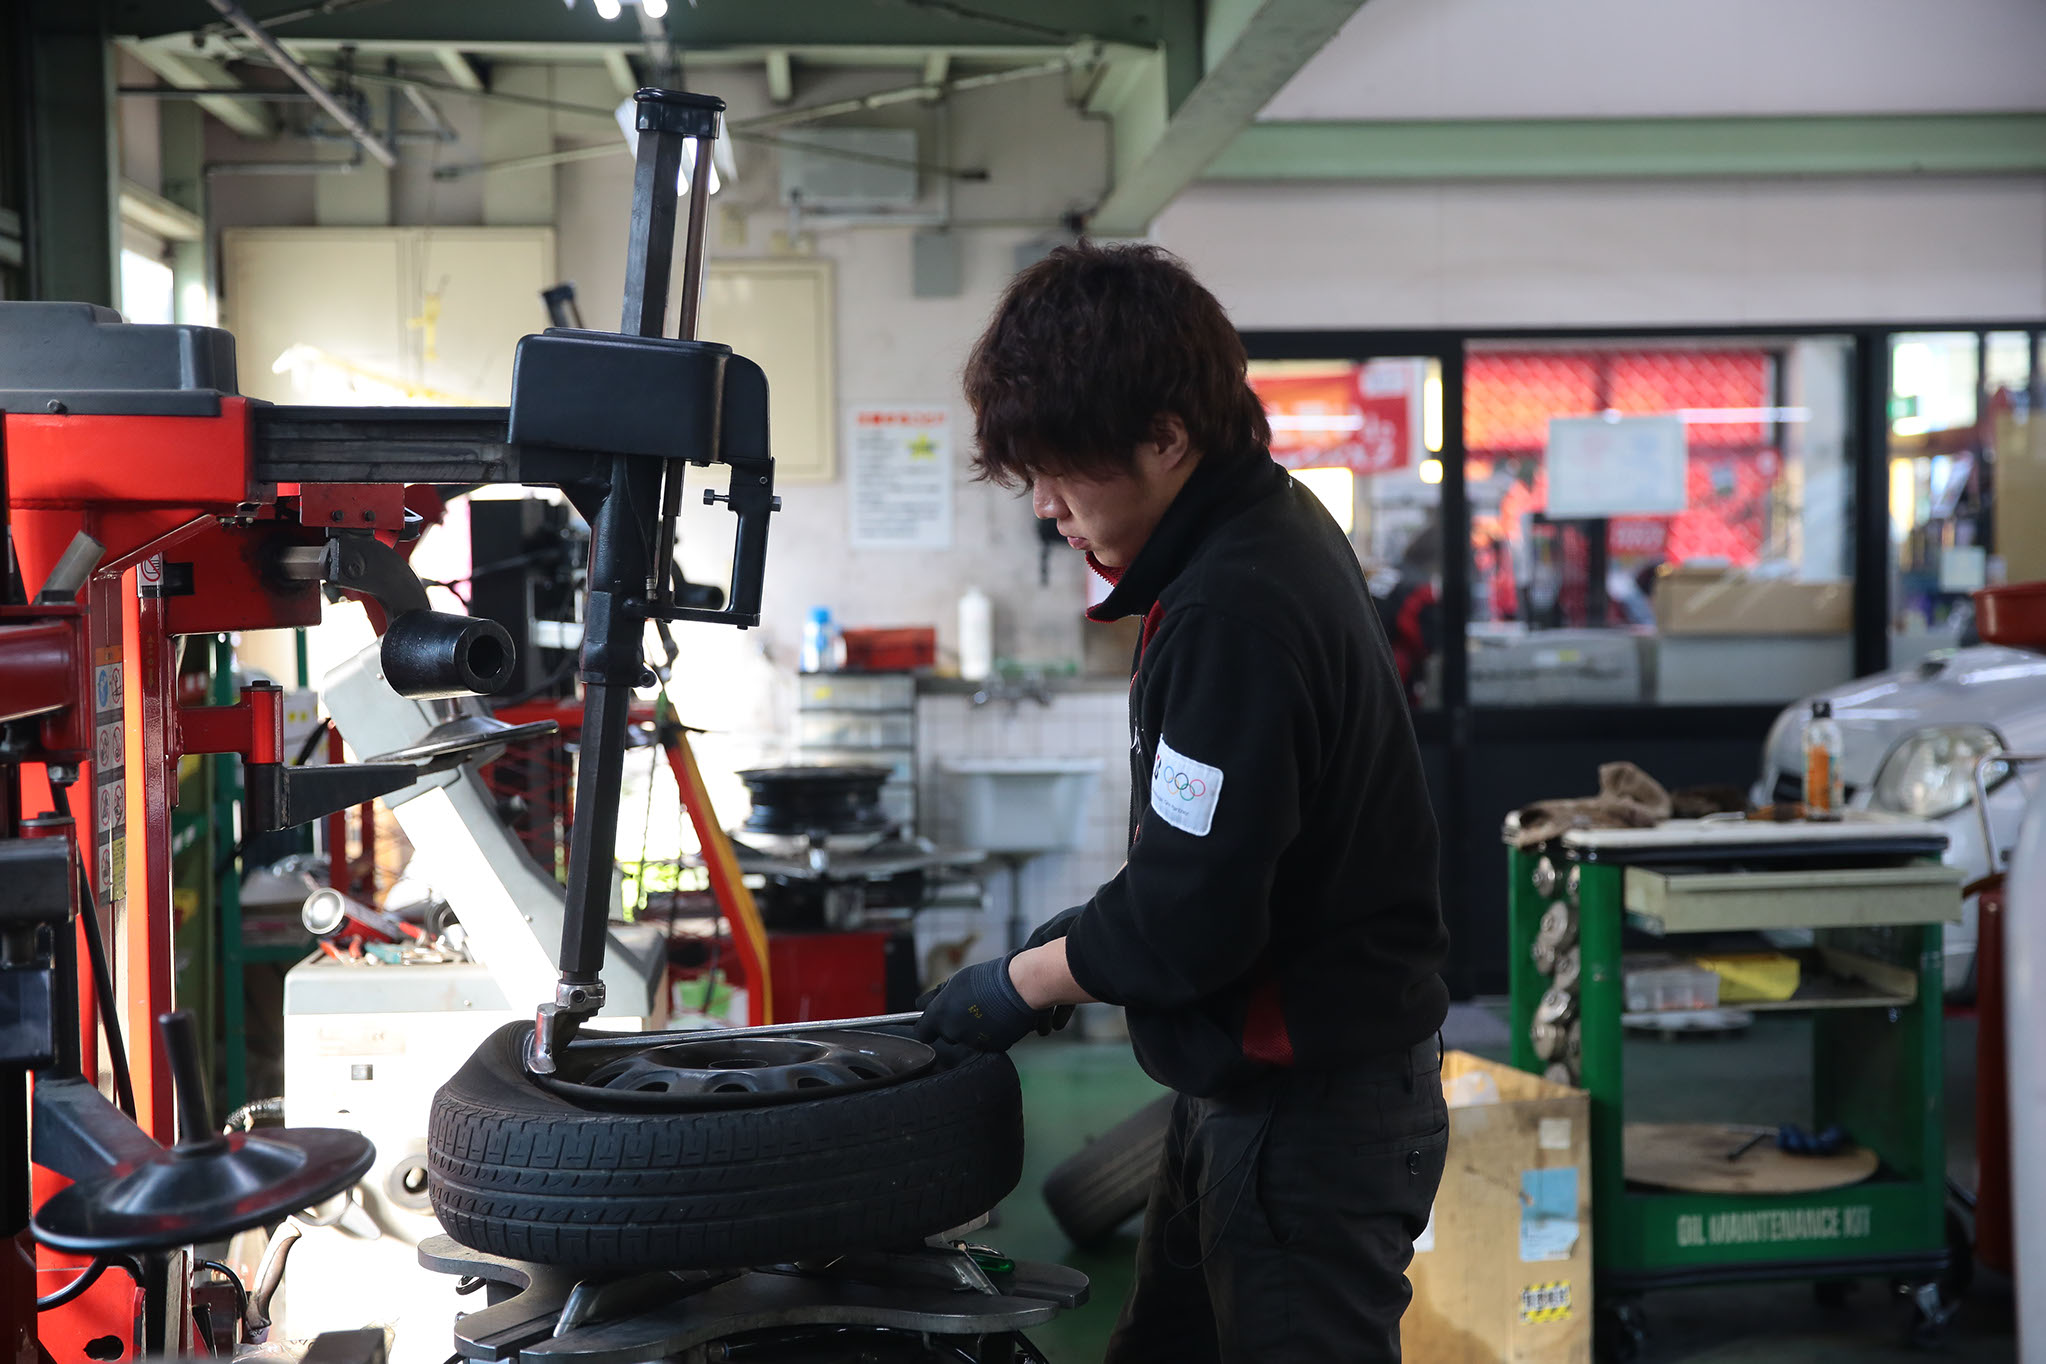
{"x":1545,"y":1302}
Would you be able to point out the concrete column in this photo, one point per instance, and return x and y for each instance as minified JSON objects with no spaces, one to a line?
{"x":181,"y":132}
{"x":523,"y":198}
{"x":73,"y":244}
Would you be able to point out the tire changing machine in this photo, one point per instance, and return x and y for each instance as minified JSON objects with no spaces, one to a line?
{"x":136,"y":437}
{"x":943,"y":1300}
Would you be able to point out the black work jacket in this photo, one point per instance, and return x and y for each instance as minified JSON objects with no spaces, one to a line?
{"x":1279,"y":905}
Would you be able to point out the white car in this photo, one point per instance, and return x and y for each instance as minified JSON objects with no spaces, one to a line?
{"x":1912,"y":739}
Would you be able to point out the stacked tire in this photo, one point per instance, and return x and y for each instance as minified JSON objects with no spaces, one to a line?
{"x":518,"y":1170}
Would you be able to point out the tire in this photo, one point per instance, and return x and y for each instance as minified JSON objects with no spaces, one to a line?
{"x":520,"y":1171}
{"x":1107,"y":1181}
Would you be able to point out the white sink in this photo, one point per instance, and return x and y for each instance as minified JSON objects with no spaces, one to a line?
{"x":1021,"y":806}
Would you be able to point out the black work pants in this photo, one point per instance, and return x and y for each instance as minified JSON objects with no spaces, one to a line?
{"x":1283,"y":1218}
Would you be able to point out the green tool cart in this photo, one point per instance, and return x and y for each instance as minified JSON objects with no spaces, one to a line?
{"x":1873,"y":894}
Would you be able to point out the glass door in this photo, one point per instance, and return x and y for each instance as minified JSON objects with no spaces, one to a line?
{"x":1365,"y":434}
{"x":1659,"y":521}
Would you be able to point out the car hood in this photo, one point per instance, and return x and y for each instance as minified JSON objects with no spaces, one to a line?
{"x":1985,"y":685}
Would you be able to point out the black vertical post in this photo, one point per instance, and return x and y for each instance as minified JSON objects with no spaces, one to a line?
{"x":1985,"y":451}
{"x":1870,"y":443}
{"x":650,"y":245}
{"x":1597,"y":533}
{"x":1454,"y":878}
{"x":623,"y":531}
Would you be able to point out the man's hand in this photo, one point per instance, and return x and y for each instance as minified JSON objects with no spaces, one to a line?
{"x":978,"y":1010}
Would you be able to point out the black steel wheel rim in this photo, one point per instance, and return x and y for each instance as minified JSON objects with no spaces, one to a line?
{"x":738,"y":1072}
{"x":807,"y":801}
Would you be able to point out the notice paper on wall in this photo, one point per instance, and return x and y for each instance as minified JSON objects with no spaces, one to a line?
{"x":1617,"y":466}
{"x":899,"y":458}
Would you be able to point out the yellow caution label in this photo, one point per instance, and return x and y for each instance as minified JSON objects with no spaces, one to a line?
{"x":1545,"y":1302}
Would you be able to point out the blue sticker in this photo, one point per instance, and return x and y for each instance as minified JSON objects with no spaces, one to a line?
{"x":1548,"y":1214}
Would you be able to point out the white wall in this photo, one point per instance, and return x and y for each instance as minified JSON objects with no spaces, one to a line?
{"x":1443,"y":59}
{"x":1722,"y":251}
{"x":1619,"y":253}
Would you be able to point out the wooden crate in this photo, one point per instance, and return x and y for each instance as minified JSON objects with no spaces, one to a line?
{"x":1503,"y":1272}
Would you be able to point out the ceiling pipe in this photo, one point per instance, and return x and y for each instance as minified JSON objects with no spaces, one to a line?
{"x":304,"y":79}
{"x":1082,"y":55}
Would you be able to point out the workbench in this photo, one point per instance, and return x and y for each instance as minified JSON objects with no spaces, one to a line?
{"x":1873,"y":894}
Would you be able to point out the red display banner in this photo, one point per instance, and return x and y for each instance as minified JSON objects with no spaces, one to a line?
{"x":1324,"y":421}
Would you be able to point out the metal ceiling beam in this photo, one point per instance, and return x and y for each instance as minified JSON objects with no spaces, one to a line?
{"x":781,"y":77}
{"x":306,"y":81}
{"x":145,"y":208}
{"x":1680,"y":148}
{"x":1250,"y":48}
{"x":1083,"y":57}
{"x":619,"y":66}
{"x":787,"y":23}
{"x":459,"y":68}
{"x":188,"y":72}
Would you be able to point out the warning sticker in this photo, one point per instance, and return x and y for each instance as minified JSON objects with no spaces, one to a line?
{"x":1545,"y":1302}
{"x":106,"y":687}
{"x":106,"y":750}
{"x":112,"y":804}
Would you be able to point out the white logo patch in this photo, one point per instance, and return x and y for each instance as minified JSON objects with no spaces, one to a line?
{"x":1183,"y":791}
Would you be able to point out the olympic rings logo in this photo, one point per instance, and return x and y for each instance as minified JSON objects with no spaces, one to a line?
{"x":1185,"y":787}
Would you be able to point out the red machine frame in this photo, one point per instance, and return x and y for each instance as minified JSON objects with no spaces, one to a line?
{"x":176,"y":504}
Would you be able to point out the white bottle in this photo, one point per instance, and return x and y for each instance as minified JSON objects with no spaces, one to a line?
{"x":976,"y":635}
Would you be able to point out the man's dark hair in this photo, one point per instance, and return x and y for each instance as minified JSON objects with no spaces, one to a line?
{"x":1088,"y":348}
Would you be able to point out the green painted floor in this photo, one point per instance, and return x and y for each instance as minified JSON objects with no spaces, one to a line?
{"x":1073,"y":1090}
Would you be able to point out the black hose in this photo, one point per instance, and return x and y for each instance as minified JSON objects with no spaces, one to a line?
{"x":73,"y":1290}
{"x":102,"y":973}
{"x":241,"y":1294}
{"x":245,"y":1116}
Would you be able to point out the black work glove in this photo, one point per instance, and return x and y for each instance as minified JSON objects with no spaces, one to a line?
{"x":977,"y":1010}
{"x":1054,"y":928}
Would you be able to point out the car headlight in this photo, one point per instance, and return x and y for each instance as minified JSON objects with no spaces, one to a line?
{"x":1932,"y":773}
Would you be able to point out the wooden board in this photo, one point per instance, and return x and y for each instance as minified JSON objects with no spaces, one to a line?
{"x":1692,"y":1156}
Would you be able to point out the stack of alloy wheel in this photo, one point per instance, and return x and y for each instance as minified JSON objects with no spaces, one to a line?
{"x":1556,"y":1030}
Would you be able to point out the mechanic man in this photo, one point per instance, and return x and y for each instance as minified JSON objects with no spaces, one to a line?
{"x":1275,"y":934}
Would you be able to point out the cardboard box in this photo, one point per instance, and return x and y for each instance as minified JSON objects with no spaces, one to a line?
{"x":1503,"y":1273}
{"x":1718,"y":601}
